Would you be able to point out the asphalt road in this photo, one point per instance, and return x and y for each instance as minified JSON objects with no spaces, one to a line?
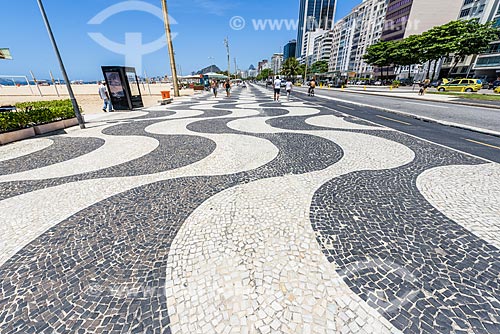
{"x":479,"y":117}
{"x":481,"y":145}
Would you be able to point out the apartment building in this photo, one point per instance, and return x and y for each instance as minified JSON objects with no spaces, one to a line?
{"x":485,"y":65}
{"x":353,"y":34}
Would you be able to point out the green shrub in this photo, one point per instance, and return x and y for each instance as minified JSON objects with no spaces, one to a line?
{"x":35,"y":113}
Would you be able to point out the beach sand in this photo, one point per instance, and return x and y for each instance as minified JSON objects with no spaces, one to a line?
{"x":86,"y":95}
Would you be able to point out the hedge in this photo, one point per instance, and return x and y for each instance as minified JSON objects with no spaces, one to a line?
{"x":35,"y":113}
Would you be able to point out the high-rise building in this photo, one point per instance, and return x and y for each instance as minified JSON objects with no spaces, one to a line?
{"x":290,"y":49}
{"x":353,"y":34}
{"x":410,"y":17}
{"x":276,"y":62}
{"x":313,"y":14}
{"x":264,"y":64}
{"x":323,"y":46}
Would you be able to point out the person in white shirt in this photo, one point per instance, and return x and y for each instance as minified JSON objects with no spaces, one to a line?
{"x":103,"y":93}
{"x":277,"y":88}
{"x":289,"y":86}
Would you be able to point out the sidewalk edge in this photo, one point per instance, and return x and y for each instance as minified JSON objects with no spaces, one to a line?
{"x":421,"y":118}
{"x":470,"y":104}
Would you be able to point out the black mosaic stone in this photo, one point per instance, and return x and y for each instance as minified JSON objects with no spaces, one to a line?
{"x":105,"y":266}
{"x":174,"y":151}
{"x":403,"y":256}
{"x":63,"y":148}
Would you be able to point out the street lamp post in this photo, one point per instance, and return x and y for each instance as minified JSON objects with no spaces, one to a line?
{"x":226,"y":43}
{"x":78,"y":115}
{"x":170,"y":48}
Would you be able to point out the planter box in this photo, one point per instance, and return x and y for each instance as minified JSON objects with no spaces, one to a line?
{"x":13,"y":136}
{"x":49,"y":127}
{"x":68,"y":123}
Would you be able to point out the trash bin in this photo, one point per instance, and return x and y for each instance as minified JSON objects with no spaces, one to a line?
{"x":165,"y":95}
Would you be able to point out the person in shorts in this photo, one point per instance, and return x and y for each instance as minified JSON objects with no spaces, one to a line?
{"x":277,"y":88}
{"x":214,"y":86}
{"x":289,"y":86}
{"x":227,"y":85}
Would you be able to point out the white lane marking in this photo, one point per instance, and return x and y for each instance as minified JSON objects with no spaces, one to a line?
{"x":393,"y":120}
{"x":346,"y":107}
{"x":428,"y":105}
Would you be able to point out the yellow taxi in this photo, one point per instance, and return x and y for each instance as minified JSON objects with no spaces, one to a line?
{"x":461,"y":85}
{"x":497,"y":90}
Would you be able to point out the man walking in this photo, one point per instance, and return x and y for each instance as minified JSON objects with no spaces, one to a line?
{"x":215,"y":85}
{"x":103,"y":93}
{"x":289,"y":86}
{"x":277,"y":88}
{"x":227,"y":85}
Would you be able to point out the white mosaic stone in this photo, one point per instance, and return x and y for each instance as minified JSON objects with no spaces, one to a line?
{"x":233,"y":154}
{"x":23,"y":148}
{"x":253,"y":245}
{"x":469,"y":195}
{"x":116,"y":150}
{"x":330,"y":121}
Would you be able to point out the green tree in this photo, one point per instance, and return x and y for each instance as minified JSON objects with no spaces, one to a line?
{"x":381,"y":54}
{"x":291,"y":67}
{"x":474,"y":38}
{"x":320,"y":66}
{"x":265,"y":73}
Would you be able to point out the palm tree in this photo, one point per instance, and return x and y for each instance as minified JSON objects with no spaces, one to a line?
{"x":291,"y":67}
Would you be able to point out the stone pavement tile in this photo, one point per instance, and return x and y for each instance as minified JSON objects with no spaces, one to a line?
{"x":247,"y":216}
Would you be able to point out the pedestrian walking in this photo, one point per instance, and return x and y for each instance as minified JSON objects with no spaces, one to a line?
{"x":227,"y":85}
{"x":289,"y":86}
{"x":214,"y":86}
{"x":425,"y":85}
{"x":103,"y":93}
{"x":277,"y":88}
{"x":312,"y":85}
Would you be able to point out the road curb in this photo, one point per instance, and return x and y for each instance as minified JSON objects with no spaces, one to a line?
{"x":421,"y":118}
{"x":470,"y":104}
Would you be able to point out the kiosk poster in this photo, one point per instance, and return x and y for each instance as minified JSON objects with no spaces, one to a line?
{"x":115,"y":85}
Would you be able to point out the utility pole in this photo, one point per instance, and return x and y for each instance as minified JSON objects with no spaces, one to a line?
{"x":78,"y":115}
{"x":170,"y":48}
{"x":226,"y":43}
{"x":235,"y":69}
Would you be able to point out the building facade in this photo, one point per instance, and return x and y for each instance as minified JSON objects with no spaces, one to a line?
{"x":313,"y":15}
{"x":290,"y":49}
{"x":405,"y":18}
{"x":413,"y":17}
{"x":264,"y":64}
{"x":353,"y":34}
{"x":276,"y":63}
{"x":485,"y":65}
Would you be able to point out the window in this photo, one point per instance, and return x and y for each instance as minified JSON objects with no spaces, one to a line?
{"x":466,"y":2}
{"x":465,"y":12}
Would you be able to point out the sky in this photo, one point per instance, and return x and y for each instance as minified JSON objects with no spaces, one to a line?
{"x":88,"y":40}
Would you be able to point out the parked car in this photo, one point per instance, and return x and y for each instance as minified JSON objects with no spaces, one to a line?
{"x":378,"y":83}
{"x":494,"y":84}
{"x":461,"y":85}
{"x":406,"y":82}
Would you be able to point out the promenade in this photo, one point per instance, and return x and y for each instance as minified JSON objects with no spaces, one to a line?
{"x":244,"y":215}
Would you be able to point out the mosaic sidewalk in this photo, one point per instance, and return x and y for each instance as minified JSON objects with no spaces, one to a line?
{"x":243,"y":215}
